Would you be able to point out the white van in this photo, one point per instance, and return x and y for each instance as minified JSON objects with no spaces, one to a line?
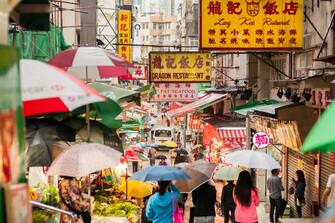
{"x":162,"y":134}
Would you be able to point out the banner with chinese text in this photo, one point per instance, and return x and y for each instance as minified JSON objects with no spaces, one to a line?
{"x":251,"y":24}
{"x":124,"y":34}
{"x":179,"y":67}
{"x":140,"y":72}
{"x":182,"y":92}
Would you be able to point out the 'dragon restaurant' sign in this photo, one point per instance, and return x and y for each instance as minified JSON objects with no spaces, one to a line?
{"x":182,"y":92}
{"x":251,"y":24}
{"x":179,"y":67}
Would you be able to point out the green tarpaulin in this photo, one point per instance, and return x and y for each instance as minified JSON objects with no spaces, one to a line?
{"x":250,"y":107}
{"x":39,"y":45}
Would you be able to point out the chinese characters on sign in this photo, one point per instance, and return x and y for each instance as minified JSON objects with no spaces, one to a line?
{"x":140,"y":72}
{"x":124,"y":34}
{"x":175,"y":92}
{"x":180,"y":67}
{"x":261,"y":140}
{"x":251,"y":24}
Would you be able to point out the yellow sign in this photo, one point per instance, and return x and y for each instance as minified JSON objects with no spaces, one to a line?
{"x":179,"y":67}
{"x":124,"y":34}
{"x":251,"y":24}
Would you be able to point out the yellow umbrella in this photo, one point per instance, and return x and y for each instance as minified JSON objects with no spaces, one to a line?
{"x":171,"y":144}
{"x":137,"y":189}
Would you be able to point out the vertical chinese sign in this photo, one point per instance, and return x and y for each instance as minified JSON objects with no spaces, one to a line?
{"x":124,"y":34}
{"x":179,"y":67}
{"x":251,"y":24}
{"x":11,"y":119}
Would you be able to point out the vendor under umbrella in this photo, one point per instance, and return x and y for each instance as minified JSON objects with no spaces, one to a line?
{"x":163,"y":160}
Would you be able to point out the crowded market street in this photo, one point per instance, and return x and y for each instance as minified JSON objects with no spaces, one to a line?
{"x":167,"y":111}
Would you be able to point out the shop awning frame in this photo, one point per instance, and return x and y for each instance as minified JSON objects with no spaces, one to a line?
{"x":209,"y":99}
{"x":251,"y":107}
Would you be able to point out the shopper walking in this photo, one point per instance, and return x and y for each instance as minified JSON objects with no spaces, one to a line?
{"x":246,"y":199}
{"x":161,"y":205}
{"x":152,"y":156}
{"x":298,"y":188}
{"x":275,"y":188}
{"x":227,"y":202}
{"x":204,"y":199}
{"x":328,"y":197}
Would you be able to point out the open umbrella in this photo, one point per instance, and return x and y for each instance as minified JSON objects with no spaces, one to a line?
{"x":321,"y":137}
{"x":160,"y":173}
{"x":170,"y":144}
{"x":82,"y":159}
{"x":137,"y":189}
{"x":252,"y":159}
{"x":161,"y":157}
{"x":200,"y":172}
{"x":91,"y":63}
{"x":227,"y":173}
{"x":153,"y":145}
{"x":181,"y":151}
{"x":48,"y":89}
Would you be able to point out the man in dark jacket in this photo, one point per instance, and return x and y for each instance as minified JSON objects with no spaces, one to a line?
{"x":204,"y":199}
{"x":227,"y":202}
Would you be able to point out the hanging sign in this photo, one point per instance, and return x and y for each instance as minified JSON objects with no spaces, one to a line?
{"x":124,"y":34}
{"x":175,"y":92}
{"x":251,"y":24}
{"x":179,"y":67}
{"x":261,"y":140}
{"x":140,"y":72}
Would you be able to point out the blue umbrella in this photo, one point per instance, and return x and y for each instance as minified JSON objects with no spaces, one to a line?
{"x":153,"y":145}
{"x":160,"y":173}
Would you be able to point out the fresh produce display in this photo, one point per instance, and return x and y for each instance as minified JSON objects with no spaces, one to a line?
{"x":112,"y":206}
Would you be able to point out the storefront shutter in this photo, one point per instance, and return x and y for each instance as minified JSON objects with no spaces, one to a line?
{"x":326,"y":168}
{"x":311,"y":192}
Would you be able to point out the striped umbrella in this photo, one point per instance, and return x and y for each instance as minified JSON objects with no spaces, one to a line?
{"x":48,"y":89}
{"x":93,"y":62}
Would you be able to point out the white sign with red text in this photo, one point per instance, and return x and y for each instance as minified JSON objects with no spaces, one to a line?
{"x":140,"y":72}
{"x":183,"y":92}
{"x":261,"y":140}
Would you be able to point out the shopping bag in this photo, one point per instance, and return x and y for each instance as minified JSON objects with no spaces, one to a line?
{"x":282,"y":207}
{"x":178,"y":215}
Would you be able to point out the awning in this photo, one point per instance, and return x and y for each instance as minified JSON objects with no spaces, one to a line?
{"x":272,"y":109}
{"x":232,"y":134}
{"x":209,"y":99}
{"x":250,"y":107}
{"x":327,"y":59}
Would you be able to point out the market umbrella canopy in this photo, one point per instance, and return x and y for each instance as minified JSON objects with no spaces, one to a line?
{"x":137,"y":189}
{"x":321,"y":138}
{"x":82,"y":159}
{"x":160,"y":173}
{"x":48,"y":89}
{"x":94,"y":61}
{"x":199,"y":171}
{"x":170,"y":144}
{"x":252,"y":159}
{"x":227,"y":173}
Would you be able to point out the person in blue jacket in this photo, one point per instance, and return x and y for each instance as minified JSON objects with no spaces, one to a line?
{"x":159,"y":207}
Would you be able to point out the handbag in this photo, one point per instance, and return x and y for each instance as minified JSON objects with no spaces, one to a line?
{"x":177,"y":214}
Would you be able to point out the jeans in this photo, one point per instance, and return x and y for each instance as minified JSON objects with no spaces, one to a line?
{"x":275,"y":204}
{"x":205,"y":219}
{"x":299,"y":210}
{"x":228,"y":213}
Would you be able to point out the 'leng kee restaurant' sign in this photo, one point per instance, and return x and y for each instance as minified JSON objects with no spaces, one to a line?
{"x":182,"y":92}
{"x":179,"y":67}
{"x":251,"y":24}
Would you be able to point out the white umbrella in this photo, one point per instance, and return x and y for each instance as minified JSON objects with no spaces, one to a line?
{"x":82,"y":159}
{"x":227,"y":173}
{"x":252,"y":159}
{"x":49,"y":89}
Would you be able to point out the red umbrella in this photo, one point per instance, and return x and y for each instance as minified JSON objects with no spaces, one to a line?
{"x":131,"y":155}
{"x":93,"y":61}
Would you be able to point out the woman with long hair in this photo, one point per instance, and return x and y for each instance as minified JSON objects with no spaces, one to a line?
{"x":162,"y":204}
{"x":246,"y":198}
{"x":299,"y":191}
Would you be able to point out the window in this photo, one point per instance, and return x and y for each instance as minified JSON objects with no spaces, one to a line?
{"x":193,"y":41}
{"x":155,"y":26}
{"x":163,"y":133}
{"x":306,"y":60}
{"x":143,"y":25}
{"x":147,"y":38}
{"x":161,"y":26}
{"x":280,"y":64}
{"x":143,"y":38}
